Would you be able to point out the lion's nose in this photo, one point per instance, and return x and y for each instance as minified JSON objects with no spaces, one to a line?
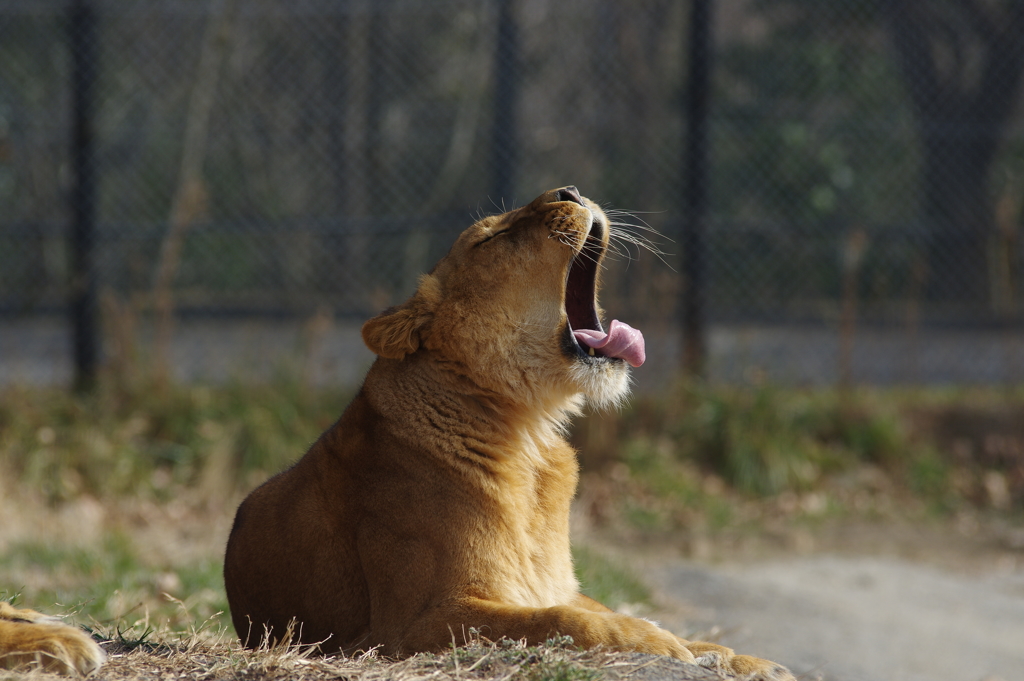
{"x":569,"y":194}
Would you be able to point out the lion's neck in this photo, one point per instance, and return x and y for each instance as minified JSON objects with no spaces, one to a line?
{"x":514,"y":455}
{"x":448,"y":412}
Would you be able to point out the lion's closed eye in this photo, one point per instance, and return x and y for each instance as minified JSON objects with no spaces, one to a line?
{"x":491,"y":236}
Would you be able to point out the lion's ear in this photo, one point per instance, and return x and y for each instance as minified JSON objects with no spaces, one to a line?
{"x":395,"y":332}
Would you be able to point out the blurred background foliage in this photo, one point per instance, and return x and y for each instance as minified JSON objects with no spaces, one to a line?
{"x":272,"y":160}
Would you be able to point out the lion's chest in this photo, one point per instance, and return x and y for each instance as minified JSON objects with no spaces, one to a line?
{"x":541,"y":578}
{"x":527,"y":538}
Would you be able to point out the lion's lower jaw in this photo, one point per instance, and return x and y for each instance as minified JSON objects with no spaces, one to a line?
{"x":605,"y":385}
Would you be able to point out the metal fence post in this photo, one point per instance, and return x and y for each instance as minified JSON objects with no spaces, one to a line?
{"x":83,"y":302}
{"x":695,"y":198}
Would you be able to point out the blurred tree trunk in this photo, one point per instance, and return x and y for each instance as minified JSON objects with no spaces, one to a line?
{"x":696,"y":161}
{"x":189,"y":200}
{"x":962,"y":62}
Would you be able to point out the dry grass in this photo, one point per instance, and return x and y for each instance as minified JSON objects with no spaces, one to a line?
{"x":203,"y":656}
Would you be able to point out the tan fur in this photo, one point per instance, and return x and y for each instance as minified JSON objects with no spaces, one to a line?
{"x":30,"y":640}
{"x":440,"y":499}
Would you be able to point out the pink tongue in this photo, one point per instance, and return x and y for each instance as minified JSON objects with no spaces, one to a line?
{"x":622,"y":342}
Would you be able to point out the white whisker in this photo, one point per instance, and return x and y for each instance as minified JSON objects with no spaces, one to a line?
{"x":584,"y":254}
{"x":639,"y":240}
{"x":627,"y":228}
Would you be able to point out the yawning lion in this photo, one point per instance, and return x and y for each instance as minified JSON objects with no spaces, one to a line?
{"x":439,"y":501}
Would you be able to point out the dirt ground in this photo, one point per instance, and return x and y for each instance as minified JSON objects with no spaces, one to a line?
{"x":862,"y":618}
{"x":854,"y":601}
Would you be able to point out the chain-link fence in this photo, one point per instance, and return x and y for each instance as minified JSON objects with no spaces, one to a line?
{"x":270,"y":162}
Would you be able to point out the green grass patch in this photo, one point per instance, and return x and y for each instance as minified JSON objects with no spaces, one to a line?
{"x":559,"y":670}
{"x":149,"y":443}
{"x":765,"y":440}
{"x":760,"y":440}
{"x":701,"y":455}
{"x":112,"y":583}
{"x":607,"y":582}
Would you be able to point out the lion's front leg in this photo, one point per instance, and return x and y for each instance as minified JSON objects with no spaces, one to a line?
{"x":588,"y":603}
{"x":588,"y":628}
{"x":714,"y":656}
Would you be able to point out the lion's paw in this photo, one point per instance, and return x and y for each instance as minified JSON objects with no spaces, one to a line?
{"x":657,"y":641}
{"x":29,"y":639}
{"x":758,"y":669}
{"x":722,"y":659}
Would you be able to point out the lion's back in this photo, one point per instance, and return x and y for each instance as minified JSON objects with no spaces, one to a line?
{"x":283,"y":532}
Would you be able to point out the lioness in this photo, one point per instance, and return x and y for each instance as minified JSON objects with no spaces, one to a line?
{"x":30,"y":639}
{"x":439,"y":501}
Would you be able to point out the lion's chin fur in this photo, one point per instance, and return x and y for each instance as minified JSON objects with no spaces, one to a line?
{"x":604,"y":386}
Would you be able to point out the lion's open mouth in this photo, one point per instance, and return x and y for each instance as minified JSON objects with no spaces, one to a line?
{"x":585,"y":336}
